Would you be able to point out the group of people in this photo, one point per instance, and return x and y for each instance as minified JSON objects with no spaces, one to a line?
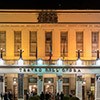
{"x":6,"y":96}
{"x":50,"y":96}
{"x":60,"y":96}
{"x":30,"y":94}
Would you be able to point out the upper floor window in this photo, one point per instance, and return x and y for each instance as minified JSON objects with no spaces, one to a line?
{"x":33,"y":43}
{"x":79,"y":42}
{"x":3,"y":40}
{"x":95,"y":42}
{"x":48,"y":43}
{"x":17,"y":42}
{"x":64,"y":44}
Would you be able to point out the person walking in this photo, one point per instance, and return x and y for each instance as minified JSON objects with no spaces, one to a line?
{"x":58,"y":96}
{"x":42,"y":96}
{"x":62,"y":96}
{"x":6,"y":96}
{"x":1,"y":96}
{"x":27,"y":95}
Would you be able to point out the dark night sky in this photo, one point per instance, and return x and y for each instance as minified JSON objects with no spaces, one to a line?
{"x":49,"y":4}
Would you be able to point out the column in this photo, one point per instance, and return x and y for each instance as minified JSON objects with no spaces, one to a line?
{"x":20,"y":86}
{"x":2,"y":84}
{"x":40,"y":85}
{"x":59,"y":84}
{"x":97,"y":87}
{"x":79,"y":86}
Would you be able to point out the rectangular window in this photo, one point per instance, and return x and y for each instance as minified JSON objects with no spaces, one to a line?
{"x":65,"y":80}
{"x":33,"y":43}
{"x":66,"y":89}
{"x":79,"y":42}
{"x":48,"y":80}
{"x":95,"y":42}
{"x":17,"y":42}
{"x":48,"y":43}
{"x":32,"y":80}
{"x":64,"y":44}
{"x":3,"y":41}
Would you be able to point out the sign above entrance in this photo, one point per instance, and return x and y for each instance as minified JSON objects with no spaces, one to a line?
{"x":51,"y":69}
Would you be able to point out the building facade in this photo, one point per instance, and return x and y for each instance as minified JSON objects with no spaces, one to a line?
{"x":50,"y":36}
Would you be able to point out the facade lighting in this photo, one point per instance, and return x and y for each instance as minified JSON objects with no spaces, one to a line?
{"x":98,"y":59}
{"x":79,"y":61}
{"x":1,"y":61}
{"x":39,"y":62}
{"x":1,"y":58}
{"x":20,"y":61}
{"x":59,"y":62}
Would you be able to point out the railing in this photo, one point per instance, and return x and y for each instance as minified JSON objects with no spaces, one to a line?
{"x":52,"y":62}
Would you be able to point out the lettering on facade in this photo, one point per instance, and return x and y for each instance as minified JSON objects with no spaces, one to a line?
{"x":47,"y":17}
{"x":51,"y":70}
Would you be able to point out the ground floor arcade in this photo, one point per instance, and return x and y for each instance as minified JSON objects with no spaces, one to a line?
{"x":50,"y":83}
{"x":80,"y":81}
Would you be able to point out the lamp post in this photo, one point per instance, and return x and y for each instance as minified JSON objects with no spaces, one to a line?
{"x":20,"y":61}
{"x":20,"y":77}
{"x":78,"y":62}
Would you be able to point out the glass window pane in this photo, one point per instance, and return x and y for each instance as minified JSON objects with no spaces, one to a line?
{"x":64,"y":44}
{"x":17,"y":42}
{"x":3,"y":41}
{"x":33,"y":43}
{"x":79,"y":42}
{"x":48,"y":43}
{"x":95,"y":42}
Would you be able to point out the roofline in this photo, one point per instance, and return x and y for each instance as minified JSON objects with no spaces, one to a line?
{"x":38,"y":10}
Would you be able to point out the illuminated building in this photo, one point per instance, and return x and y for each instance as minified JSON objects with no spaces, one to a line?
{"x":48,"y":37}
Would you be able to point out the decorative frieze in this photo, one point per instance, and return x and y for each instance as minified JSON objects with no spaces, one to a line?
{"x":47,"y":17}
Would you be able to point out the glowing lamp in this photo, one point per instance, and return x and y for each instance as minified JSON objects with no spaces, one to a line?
{"x":79,"y":62}
{"x":39,"y":62}
{"x":20,"y":62}
{"x":59,"y":62}
{"x":1,"y":61}
{"x":98,"y":62}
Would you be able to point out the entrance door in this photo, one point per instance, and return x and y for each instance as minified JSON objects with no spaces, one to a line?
{"x":66,"y":89}
{"x":49,"y":88}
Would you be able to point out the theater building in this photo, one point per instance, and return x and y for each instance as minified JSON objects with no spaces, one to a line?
{"x":51,"y":51}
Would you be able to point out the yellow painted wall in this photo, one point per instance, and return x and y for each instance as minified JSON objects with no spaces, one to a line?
{"x":63,"y":16}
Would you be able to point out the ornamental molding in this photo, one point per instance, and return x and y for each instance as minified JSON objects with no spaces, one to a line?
{"x":47,"y":17}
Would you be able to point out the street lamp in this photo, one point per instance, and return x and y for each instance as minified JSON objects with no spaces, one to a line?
{"x":1,"y":56}
{"x":20,"y":61}
{"x":98,"y":59}
{"x":79,"y":61}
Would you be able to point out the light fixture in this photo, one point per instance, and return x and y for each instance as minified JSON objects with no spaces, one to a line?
{"x":59,"y":62}
{"x":98,"y":59}
{"x":84,"y":82}
{"x":98,"y":62}
{"x":1,"y":58}
{"x":79,"y":61}
{"x":39,"y":62}
{"x":20,"y":61}
{"x":1,"y":61}
{"x":49,"y":82}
